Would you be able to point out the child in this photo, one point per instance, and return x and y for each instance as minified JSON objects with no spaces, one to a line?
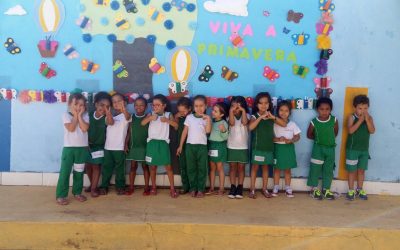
{"x":97,"y":138}
{"x":285,"y":154}
{"x":197,"y":126}
{"x":238,"y":152}
{"x":157,"y":149}
{"x":75,"y":152}
{"x":184,"y":107}
{"x":323,"y":130}
{"x":360,"y":125}
{"x":114,"y":153}
{"x":217,"y":146}
{"x":137,"y":146}
{"x":262,"y":127}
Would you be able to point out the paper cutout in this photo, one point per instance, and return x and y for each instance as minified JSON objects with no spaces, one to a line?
{"x":24,"y":97}
{"x":51,"y":15}
{"x":299,"y":103}
{"x":325,"y":54}
{"x":120,"y":69}
{"x":101,"y":2}
{"x":179,"y":4}
{"x":326,"y":17}
{"x":11,"y":46}
{"x":294,"y":16}
{"x":286,"y":30}
{"x":62,"y":96}
{"x":236,"y":40}
{"x":250,"y":101}
{"x":8,"y":94}
{"x":47,"y":48}
{"x":326,"y":5}
{"x":301,"y":71}
{"x":270,"y":74}
{"x":121,"y":22}
{"x":228,"y":74}
{"x":266,"y":13}
{"x":155,"y":67}
{"x":36,"y":95}
{"x":49,"y":96}
{"x":271,"y":31}
{"x":155,"y":15}
{"x":323,"y":42}
{"x":248,"y":31}
{"x":206,"y":74}
{"x":89,"y":66}
{"x":322,"y":67}
{"x":323,"y":29}
{"x":231,"y":7}
{"x":46,"y":71}
{"x":130,"y":6}
{"x":322,"y":88}
{"x":300,"y":39}
{"x":84,"y":22}
{"x":17,"y":10}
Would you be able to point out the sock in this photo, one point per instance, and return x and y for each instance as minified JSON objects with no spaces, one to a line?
{"x":287,"y":187}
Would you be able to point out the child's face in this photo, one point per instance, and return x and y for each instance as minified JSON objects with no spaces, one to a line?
{"x":361,"y":109}
{"x":236,"y":106}
{"x":199,"y":107}
{"x":102,"y":106}
{"x":183,"y":110}
{"x":263,"y":104}
{"x":284,"y":112}
{"x":118,"y":102}
{"x":77,"y":105}
{"x":324,"y":110}
{"x":158,"y":106}
{"x":140,"y":107}
{"x":216,"y":112}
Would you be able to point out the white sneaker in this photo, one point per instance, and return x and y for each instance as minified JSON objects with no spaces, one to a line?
{"x":275,"y":191}
{"x":289,"y":193}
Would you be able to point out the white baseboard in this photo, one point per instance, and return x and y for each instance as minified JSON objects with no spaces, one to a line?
{"x":298,"y":184}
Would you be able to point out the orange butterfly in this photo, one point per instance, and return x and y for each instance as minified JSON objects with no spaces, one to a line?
{"x":89,"y":66}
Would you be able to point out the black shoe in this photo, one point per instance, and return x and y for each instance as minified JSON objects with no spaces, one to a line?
{"x":232,"y":192}
{"x":239,"y":192}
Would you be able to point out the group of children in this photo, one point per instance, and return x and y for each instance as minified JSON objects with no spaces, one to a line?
{"x":102,"y":141}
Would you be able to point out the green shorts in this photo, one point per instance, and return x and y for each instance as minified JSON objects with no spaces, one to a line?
{"x":136,"y":154}
{"x":217,"y":151}
{"x":238,"y":155}
{"x":157,"y":153}
{"x":96,"y":155}
{"x":285,"y":156}
{"x":262,"y":157}
{"x":356,"y":160}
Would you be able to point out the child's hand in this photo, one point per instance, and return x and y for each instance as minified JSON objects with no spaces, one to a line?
{"x":164,"y":119}
{"x":222,"y":128}
{"x":366,"y":116}
{"x":270,"y":116}
{"x":81,"y":111}
{"x":206,"y":117}
{"x":233,"y":107}
{"x":153,"y":117}
{"x":178,"y":151}
{"x":288,"y":141}
{"x":282,"y":139}
{"x":108,"y":111}
{"x":264,"y":116}
{"x":362,"y":117}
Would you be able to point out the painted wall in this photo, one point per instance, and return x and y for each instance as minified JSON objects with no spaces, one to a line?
{"x":365,"y":48}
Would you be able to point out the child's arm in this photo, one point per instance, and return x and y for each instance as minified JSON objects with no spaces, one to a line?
{"x":171,"y":121}
{"x":245,"y":120}
{"x":224,"y":131}
{"x":370,"y":123}
{"x":276,"y":119}
{"x":183,"y":138}
{"x":254,"y":122}
{"x":336,"y":128}
{"x":128,"y":138}
{"x":353,"y":126}
{"x":83,"y":125}
{"x":295,"y":139}
{"x":126,"y":113}
{"x":208,"y":123}
{"x":149,"y":118}
{"x":231,"y":116}
{"x":109,"y":117}
{"x":71,"y":126}
{"x":310,"y":132}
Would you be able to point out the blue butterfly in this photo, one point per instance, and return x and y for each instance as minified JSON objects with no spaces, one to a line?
{"x":286,"y":30}
{"x":11,"y":46}
{"x":300,"y":39}
{"x":326,"y":5}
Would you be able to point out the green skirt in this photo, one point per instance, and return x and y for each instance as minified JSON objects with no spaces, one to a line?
{"x":136,"y":154}
{"x":238,"y":155}
{"x":217,"y":151}
{"x":96,"y":155}
{"x":262,"y":157}
{"x":285,"y":156}
{"x":157,"y":153}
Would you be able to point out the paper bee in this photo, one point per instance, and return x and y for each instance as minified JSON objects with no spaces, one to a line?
{"x":206,"y":74}
{"x":228,"y":74}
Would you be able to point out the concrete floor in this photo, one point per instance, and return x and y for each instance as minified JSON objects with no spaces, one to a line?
{"x":37,"y":204}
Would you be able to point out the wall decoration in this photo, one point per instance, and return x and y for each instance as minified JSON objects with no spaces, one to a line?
{"x":326,"y":5}
{"x":286,"y":30}
{"x":70,"y":52}
{"x":8,"y":94}
{"x":84,"y":22}
{"x":294,"y":16}
{"x":300,"y":39}
{"x":322,"y":87}
{"x":266,"y":13}
{"x":62,"y":96}
{"x":206,"y":74}
{"x":323,"y":42}
{"x":11,"y":46}
{"x":322,"y":67}
{"x":325,"y":54}
{"x":120,"y":69}
{"x":121,"y":23}
{"x":270,"y":74}
{"x":326,"y":17}
{"x":301,"y":71}
{"x":130,"y":6}
{"x":156,"y":15}
{"x":101,"y":2}
{"x":89,"y":66}
{"x":228,"y":74}
{"x":17,"y":10}
{"x":236,"y":40}
{"x":46,"y":71}
{"x":47,"y":48}
{"x":231,"y":7}
{"x":323,"y":28}
{"x":155,"y":67}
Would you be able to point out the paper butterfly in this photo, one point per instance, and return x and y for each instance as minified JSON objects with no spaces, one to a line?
{"x":228,"y":74}
{"x":155,"y":15}
{"x":179,"y":4}
{"x":322,"y":67}
{"x":120,"y":69}
{"x":300,"y":39}
{"x":61,"y":96}
{"x":266,"y":13}
{"x":70,"y":52}
{"x":323,"y":29}
{"x":130,"y":6}
{"x":326,"y":5}
{"x":178,"y":87}
{"x":121,"y":22}
{"x":11,"y":47}
{"x":101,"y":2}
{"x":325,"y":54}
{"x":89,"y":66}
{"x":236,"y":40}
{"x":286,"y":30}
{"x":327,"y":17}
{"x":294,"y":16}
{"x":322,"y":83}
{"x":301,"y":71}
{"x":206,"y":74}
{"x":155,"y":67}
{"x":46,"y":71}
{"x":47,"y":48}
{"x":8,"y":94}
{"x":84,"y":22}
{"x":270,"y":74}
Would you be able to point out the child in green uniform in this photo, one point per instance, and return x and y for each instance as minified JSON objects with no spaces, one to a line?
{"x":197,"y":126}
{"x":137,"y":141}
{"x":323,"y":130}
{"x":360,"y":125}
{"x":75,"y":152}
{"x":97,"y":138}
{"x":217,"y":146}
{"x":262,"y":127}
{"x":157,"y":149}
{"x":114,"y":149}
{"x":285,"y":155}
{"x":184,"y":107}
{"x":238,"y":141}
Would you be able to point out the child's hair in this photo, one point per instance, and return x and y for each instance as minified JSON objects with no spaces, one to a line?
{"x":284,"y":103}
{"x":324,"y":100}
{"x":76,"y":96}
{"x":121,"y":95}
{"x":163,"y":100}
{"x":257,"y":100}
{"x":241,"y":100}
{"x":200,"y":97}
{"x":223,"y":109}
{"x":185,"y":102}
{"x":360,"y":99}
{"x":102,"y":95}
{"x":141,"y":98}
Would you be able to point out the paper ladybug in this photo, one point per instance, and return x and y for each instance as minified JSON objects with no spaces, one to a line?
{"x":236,"y":40}
{"x":8,"y":94}
{"x":155,"y":67}
{"x":84,"y":22}
{"x":323,"y":28}
{"x":301,"y":71}
{"x":70,"y":52}
{"x":206,"y":74}
{"x":270,"y":74}
{"x":89,"y":66}
{"x":121,"y":22}
{"x":228,"y":74}
{"x":45,"y":71}
{"x":130,"y":6}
